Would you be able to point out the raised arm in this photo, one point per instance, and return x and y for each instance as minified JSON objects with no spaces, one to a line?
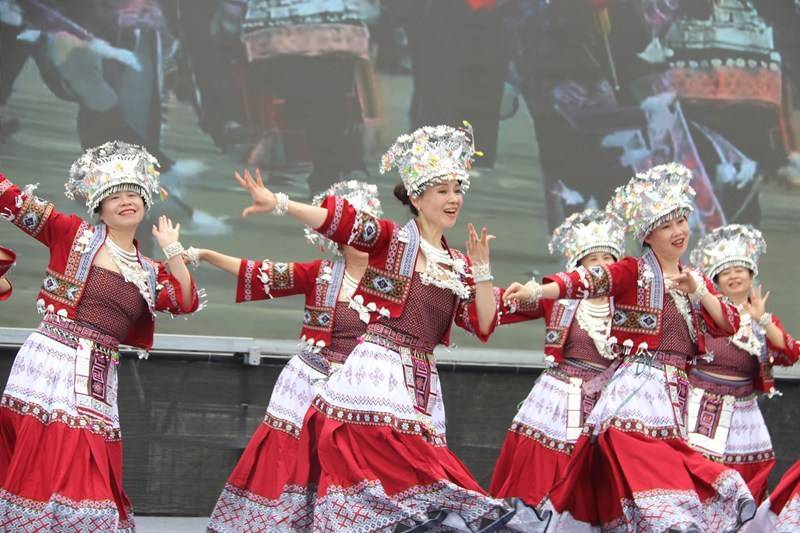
{"x":720,"y":316}
{"x":581,"y":283}
{"x":266,"y":201}
{"x":336,"y":219}
{"x":782,"y":348}
{"x":36,"y":217}
{"x":167,"y":234}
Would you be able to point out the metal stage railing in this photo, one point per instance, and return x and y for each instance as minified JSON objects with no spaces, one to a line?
{"x":255,"y":351}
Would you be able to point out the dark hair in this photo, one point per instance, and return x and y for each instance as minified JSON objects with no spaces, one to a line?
{"x":401,"y":194}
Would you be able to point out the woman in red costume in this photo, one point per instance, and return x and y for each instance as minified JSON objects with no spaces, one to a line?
{"x":262,"y":493}
{"x":725,"y":421}
{"x":377,"y":427}
{"x":60,"y":444}
{"x":550,"y":420}
{"x":632,"y":469}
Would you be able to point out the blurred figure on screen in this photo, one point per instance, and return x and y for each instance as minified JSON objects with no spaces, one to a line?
{"x":459,"y":62}
{"x":210,"y":33}
{"x":302,"y":58}
{"x":106,"y":55}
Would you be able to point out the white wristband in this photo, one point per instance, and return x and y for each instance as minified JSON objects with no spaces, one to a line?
{"x":701,"y":290}
{"x":765,"y":320}
{"x":481,"y":272}
{"x":536,"y":287}
{"x":193,"y":255}
{"x":281,"y":204}
{"x":172,"y":250}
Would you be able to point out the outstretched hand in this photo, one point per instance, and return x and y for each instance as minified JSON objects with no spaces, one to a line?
{"x":757,"y":305}
{"x":264,"y":200}
{"x":478,"y":247}
{"x":165,"y":233}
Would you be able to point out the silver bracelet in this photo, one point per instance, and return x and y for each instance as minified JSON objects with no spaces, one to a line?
{"x":701,"y":290}
{"x":281,"y":204}
{"x":193,"y":255}
{"x":172,"y":250}
{"x":536,"y":287}
{"x":765,"y":320}
{"x":481,"y":272}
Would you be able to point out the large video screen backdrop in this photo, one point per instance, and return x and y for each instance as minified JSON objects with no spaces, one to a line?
{"x":567,"y":97}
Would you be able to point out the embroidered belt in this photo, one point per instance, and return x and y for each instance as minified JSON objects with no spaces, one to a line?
{"x":333,"y":357}
{"x":394,"y":337}
{"x":70,"y":334}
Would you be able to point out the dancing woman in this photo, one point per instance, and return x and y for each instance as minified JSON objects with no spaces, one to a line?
{"x":545,"y":429}
{"x":60,"y":443}
{"x":378,"y":425}
{"x":634,"y":443}
{"x":725,"y":421}
{"x":262,"y":492}
{"x":7,"y":258}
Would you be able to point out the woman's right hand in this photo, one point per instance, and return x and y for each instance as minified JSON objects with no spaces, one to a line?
{"x":264,"y":200}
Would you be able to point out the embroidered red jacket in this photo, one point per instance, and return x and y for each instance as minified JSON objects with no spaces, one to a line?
{"x":393,"y":254}
{"x":73,"y":244}
{"x":320,"y":281}
{"x":5,"y":266}
{"x":637,"y":285}
{"x":558,"y":316}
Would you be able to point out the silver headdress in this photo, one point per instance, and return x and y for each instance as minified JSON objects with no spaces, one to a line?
{"x":432,"y":155}
{"x":587,"y":232}
{"x":729,"y":246}
{"x":110,"y":168}
{"x":657,"y":195}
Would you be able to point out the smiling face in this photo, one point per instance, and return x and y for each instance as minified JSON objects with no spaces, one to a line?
{"x":596,"y":259}
{"x":735,"y":282}
{"x":670,"y":239}
{"x":123,"y":210}
{"x":439,"y":204}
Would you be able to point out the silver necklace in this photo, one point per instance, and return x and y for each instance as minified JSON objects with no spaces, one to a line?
{"x":443,"y":271}
{"x":128,"y":265}
{"x":595,"y":320}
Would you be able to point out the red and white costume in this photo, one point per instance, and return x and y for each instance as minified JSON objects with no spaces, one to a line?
{"x":378,"y":425}
{"x":60,"y":447}
{"x":546,"y":427}
{"x":725,"y":421}
{"x":633,"y":469}
{"x":262,"y":492}
{"x":5,"y":266}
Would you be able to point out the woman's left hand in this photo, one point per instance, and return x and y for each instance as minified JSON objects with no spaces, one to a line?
{"x":757,"y":305}
{"x":165,"y":233}
{"x":478,"y":247}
